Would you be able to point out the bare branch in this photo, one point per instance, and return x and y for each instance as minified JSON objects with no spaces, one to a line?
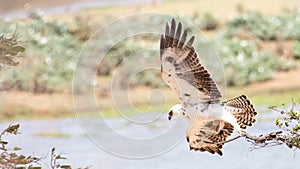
{"x":289,"y":133}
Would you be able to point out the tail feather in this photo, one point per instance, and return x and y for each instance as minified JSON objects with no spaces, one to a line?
{"x":242,"y":110}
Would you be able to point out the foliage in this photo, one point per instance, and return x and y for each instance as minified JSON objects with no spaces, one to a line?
{"x":123,"y":57}
{"x":52,"y":55}
{"x":10,"y":48}
{"x":297,"y":50}
{"x":245,"y":63}
{"x":55,"y":161}
{"x":209,"y":22}
{"x":290,"y":123}
{"x":149,"y":78}
{"x":239,"y":46}
{"x":117,"y":54}
{"x":82,"y":29}
{"x":206,"y":22}
{"x":54,"y":46}
{"x":285,"y":26}
{"x":10,"y":159}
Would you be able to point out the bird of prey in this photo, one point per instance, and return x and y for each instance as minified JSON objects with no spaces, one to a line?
{"x":211,"y":121}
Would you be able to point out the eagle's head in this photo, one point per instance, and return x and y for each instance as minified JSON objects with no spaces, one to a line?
{"x":175,"y":110}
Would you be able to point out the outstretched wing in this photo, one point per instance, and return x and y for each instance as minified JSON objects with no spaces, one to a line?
{"x":182,"y":70}
{"x":207,"y":133}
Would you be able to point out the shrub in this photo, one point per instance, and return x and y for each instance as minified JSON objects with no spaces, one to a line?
{"x":244,"y":63}
{"x":12,"y":159}
{"x":10,"y":48}
{"x":54,"y":48}
{"x":297,"y":50}
{"x":206,"y":22}
{"x":285,"y":26}
{"x":52,"y":56}
{"x":209,"y":22}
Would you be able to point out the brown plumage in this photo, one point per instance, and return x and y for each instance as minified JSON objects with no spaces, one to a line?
{"x":242,"y":109}
{"x":181,"y":61}
{"x":206,"y":133}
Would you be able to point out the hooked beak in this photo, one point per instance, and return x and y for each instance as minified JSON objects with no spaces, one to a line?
{"x":170,"y":115}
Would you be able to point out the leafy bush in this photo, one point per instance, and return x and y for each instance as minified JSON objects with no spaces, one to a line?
{"x":10,"y":48}
{"x":116,"y":55}
{"x":209,"y":22}
{"x":290,"y":123}
{"x":130,"y":58}
{"x":285,"y":26}
{"x":257,"y":25}
{"x":205,"y":22}
{"x":149,"y":78}
{"x":52,"y":56}
{"x":297,"y":50}
{"x":54,"y":46}
{"x":290,"y":25}
{"x":11,"y":159}
{"x":244,"y":63}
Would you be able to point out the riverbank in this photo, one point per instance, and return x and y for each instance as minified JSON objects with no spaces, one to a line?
{"x":283,"y":89}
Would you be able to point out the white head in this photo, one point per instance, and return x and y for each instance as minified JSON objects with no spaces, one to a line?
{"x":175,"y":110}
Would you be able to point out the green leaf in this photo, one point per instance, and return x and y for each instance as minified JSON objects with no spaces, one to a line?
{"x":21,"y":157}
{"x":17,"y":148}
{"x":279,"y":123}
{"x":13,"y":129}
{"x":30,"y":167}
{"x":66,"y":167}
{"x":296,"y":128}
{"x":59,"y":157}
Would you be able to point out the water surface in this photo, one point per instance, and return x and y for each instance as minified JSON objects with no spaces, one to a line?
{"x":74,"y":143}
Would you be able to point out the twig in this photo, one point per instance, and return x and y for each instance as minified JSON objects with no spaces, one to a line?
{"x":227,"y":141}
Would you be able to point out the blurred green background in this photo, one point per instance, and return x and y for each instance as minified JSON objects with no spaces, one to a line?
{"x":258,"y":43}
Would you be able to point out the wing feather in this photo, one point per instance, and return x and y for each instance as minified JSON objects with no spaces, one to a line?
{"x":162,"y":44}
{"x":167,"y":35}
{"x":182,"y":40}
{"x":207,"y":133}
{"x":177,"y":35}
{"x":182,"y":69}
{"x":172,"y":34}
{"x":242,"y":110}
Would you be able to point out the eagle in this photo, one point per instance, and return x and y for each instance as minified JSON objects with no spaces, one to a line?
{"x":211,"y":121}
